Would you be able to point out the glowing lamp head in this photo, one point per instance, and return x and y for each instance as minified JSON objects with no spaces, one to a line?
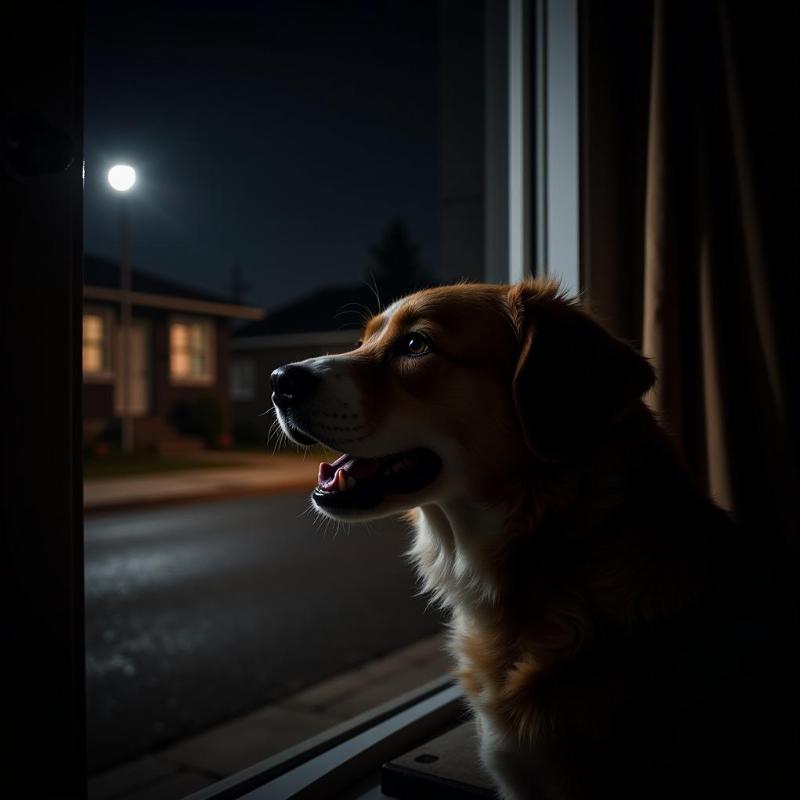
{"x":121,"y":177}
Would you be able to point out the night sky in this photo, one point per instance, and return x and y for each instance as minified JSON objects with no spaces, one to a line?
{"x":281,"y":137}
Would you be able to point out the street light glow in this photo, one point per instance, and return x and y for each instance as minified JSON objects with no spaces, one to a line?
{"x":121,"y":177}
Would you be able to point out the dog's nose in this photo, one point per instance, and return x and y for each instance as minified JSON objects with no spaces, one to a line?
{"x":292,"y":385}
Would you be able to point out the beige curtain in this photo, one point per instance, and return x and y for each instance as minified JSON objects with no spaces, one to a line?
{"x":716,"y":277}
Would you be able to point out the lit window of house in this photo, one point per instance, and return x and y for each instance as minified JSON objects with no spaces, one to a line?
{"x":191,"y":351}
{"x":96,"y":344}
{"x":243,"y":379}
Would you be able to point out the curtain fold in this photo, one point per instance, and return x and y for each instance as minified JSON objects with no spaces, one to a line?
{"x":707,"y":192}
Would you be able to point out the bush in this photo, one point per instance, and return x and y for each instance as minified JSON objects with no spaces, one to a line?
{"x":206,"y":418}
{"x":248,"y":432}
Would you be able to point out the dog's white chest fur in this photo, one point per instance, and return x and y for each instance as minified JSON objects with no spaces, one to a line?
{"x":447,"y":553}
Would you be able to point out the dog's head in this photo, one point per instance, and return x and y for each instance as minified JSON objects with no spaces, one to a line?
{"x":456,"y":392}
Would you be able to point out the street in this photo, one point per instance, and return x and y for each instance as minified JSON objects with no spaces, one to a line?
{"x":198,"y":613}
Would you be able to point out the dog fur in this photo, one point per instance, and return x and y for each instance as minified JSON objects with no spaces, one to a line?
{"x":615,"y":633}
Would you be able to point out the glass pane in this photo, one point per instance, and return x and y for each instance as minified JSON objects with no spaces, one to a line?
{"x":92,"y":328}
{"x":196,"y":337}
{"x":198,"y":365}
{"x":179,"y":337}
{"x":180,"y":364}
{"x":92,"y":358}
{"x":291,"y":161}
{"x":93,"y":344}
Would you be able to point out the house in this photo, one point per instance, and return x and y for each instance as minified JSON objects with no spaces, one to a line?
{"x":324,"y":322}
{"x":178,"y":350}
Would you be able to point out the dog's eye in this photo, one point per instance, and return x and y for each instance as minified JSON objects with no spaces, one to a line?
{"x":414,"y":344}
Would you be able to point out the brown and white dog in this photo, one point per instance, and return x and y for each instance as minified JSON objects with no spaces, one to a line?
{"x":609,"y":627}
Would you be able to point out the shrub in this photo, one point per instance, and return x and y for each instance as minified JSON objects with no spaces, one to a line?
{"x":249,"y":432}
{"x":206,"y":418}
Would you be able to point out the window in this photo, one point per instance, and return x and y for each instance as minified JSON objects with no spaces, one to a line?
{"x":97,"y":344}
{"x":243,"y":379}
{"x":191,"y":351}
{"x":314,"y":189}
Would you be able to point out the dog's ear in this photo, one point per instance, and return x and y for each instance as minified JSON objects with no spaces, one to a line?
{"x":573,"y":379}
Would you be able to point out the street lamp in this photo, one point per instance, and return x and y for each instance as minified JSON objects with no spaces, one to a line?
{"x":121,"y":178}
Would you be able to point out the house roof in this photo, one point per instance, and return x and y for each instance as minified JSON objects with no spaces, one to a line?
{"x":335,"y":308}
{"x":103,"y":272}
{"x":101,"y":281}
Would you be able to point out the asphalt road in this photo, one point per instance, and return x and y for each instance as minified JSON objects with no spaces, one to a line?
{"x":196,"y":614}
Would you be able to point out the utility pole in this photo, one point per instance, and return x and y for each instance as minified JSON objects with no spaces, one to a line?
{"x":121,"y":178}
{"x":125,"y":326}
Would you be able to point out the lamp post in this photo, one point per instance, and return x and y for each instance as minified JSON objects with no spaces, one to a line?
{"x":121,"y":178}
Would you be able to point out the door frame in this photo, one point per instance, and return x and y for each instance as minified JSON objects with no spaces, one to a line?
{"x":41,"y":518}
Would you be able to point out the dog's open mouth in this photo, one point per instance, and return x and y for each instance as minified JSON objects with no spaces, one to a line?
{"x":363,"y":483}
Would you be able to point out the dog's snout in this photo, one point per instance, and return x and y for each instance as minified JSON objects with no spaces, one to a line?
{"x":292,"y":384}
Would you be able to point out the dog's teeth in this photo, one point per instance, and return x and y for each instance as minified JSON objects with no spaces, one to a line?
{"x":341,"y":479}
{"x":351,"y":481}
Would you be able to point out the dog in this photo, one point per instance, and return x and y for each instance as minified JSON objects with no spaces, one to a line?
{"x":614,"y":632}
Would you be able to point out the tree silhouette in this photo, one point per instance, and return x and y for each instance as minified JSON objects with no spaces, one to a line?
{"x":396,"y":268}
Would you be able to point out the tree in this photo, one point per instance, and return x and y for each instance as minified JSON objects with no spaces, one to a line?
{"x":396,"y":268}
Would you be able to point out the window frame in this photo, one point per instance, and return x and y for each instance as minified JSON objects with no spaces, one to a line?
{"x":528,"y":188}
{"x":209,"y":323}
{"x":107,"y":314}
{"x":42,"y":519}
{"x":328,"y":762}
{"x":42,"y":503}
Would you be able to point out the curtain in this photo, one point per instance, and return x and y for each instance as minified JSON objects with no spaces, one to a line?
{"x":690,"y":207}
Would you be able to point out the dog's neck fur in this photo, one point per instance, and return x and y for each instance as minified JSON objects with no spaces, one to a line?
{"x":502,"y":567}
{"x":447,"y":550}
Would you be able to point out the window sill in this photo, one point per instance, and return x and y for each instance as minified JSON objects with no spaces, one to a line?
{"x":327,"y":764}
{"x":192,"y":383}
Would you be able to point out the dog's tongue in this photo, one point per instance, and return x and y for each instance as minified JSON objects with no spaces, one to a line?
{"x":355,"y":467}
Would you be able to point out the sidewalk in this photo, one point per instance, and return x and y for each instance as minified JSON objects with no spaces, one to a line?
{"x":239,"y":475}
{"x":201,"y":760}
